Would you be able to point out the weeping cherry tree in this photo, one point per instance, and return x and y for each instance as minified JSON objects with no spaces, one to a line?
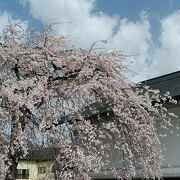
{"x":46,"y":84}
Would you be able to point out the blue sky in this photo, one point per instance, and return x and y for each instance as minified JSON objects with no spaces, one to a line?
{"x":147,"y":29}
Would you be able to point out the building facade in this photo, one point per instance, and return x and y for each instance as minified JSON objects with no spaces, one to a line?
{"x":34,"y":170}
{"x":36,"y":165}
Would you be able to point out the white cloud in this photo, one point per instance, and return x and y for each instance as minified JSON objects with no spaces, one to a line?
{"x":85,"y":28}
{"x":134,"y":38}
{"x":23,"y":2}
{"x":4,"y":19}
{"x":88,"y":26}
{"x":166,"y":58}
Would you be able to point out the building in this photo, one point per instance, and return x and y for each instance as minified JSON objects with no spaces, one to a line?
{"x":171,"y":139}
{"x":35,"y":166}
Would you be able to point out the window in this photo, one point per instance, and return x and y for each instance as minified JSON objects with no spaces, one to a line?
{"x":22,"y":174}
{"x":41,"y":170}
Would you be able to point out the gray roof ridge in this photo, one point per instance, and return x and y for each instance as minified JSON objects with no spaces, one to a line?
{"x":161,"y":78}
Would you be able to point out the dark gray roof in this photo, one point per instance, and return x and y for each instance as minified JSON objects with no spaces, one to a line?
{"x":40,"y":154}
{"x":169,"y":82}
